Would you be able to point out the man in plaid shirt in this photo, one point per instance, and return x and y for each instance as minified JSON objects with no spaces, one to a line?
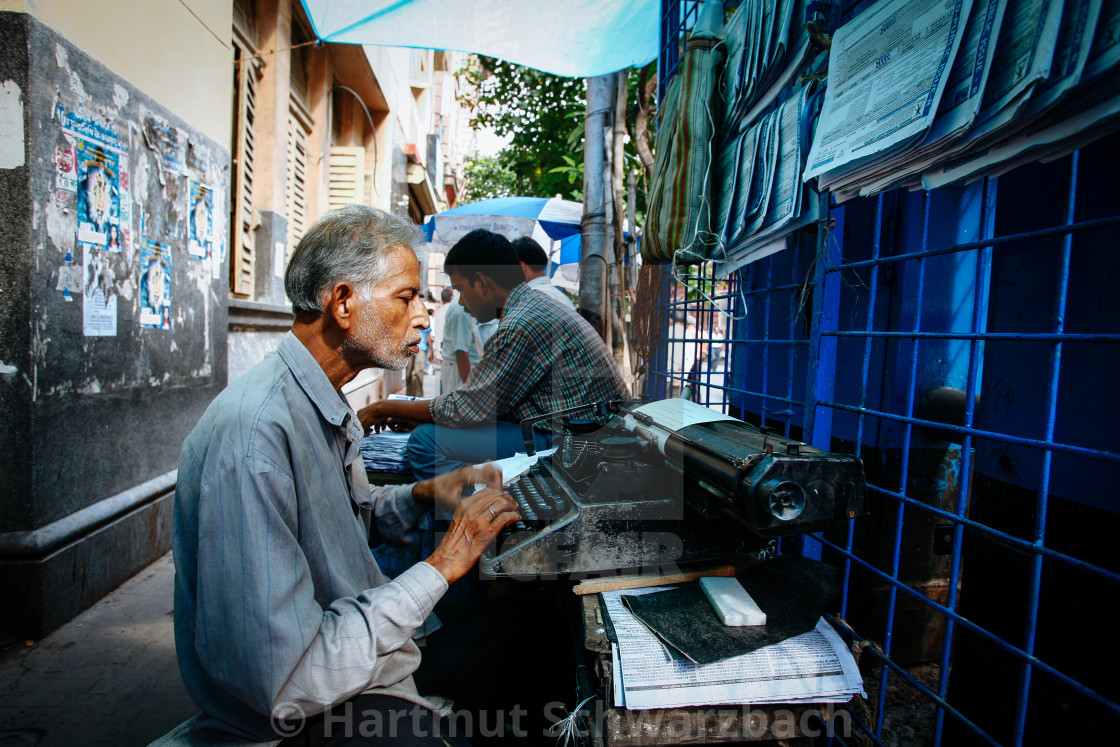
{"x":543,"y":358}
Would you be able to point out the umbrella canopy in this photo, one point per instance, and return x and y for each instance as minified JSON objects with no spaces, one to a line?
{"x":583,"y":38}
{"x":513,"y":217}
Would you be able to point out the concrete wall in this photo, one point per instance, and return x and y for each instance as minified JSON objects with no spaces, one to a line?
{"x":93,"y":423}
{"x":131,"y":38}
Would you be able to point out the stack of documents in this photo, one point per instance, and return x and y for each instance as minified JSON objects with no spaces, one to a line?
{"x":761,"y":196}
{"x":813,"y":667}
{"x":386,"y":452}
{"x":922,"y":93}
{"x":766,"y":46}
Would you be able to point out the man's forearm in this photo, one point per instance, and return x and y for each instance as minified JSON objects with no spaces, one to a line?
{"x":463,"y":362}
{"x":414,"y":410}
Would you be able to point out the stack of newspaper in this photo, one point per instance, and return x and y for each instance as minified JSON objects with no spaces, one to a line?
{"x":922,"y":93}
{"x":386,"y":452}
{"x":767,"y":115}
{"x":813,"y":667}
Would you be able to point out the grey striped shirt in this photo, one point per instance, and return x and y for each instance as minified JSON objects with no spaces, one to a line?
{"x":278,"y":599}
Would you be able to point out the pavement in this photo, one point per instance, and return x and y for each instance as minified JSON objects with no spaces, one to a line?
{"x":109,"y":676}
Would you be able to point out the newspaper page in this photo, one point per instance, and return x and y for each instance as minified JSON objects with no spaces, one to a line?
{"x":1071,"y":52}
{"x":1104,"y":51}
{"x":784,"y":167}
{"x":959,"y":107}
{"x":746,"y":154}
{"x":1002,"y":155}
{"x":815,"y":666}
{"x":888,"y":67}
{"x":1024,"y":50}
{"x":967,"y":78}
{"x":762,"y":173}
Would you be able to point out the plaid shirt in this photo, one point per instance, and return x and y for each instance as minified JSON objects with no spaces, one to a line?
{"x":543,"y":358}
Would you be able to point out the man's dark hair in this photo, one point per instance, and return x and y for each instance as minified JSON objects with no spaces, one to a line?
{"x":531,"y":253}
{"x":486,"y":252}
{"x":446,"y":295}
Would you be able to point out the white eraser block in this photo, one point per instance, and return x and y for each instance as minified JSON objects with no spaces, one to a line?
{"x":731,"y":601}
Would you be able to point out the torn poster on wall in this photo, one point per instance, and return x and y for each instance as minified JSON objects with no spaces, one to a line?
{"x":201,"y":216}
{"x":66,"y":166}
{"x":125,"y":206}
{"x":90,"y":127}
{"x":99,"y":304}
{"x":167,"y":140}
{"x":155,"y":285}
{"x":98,"y":196}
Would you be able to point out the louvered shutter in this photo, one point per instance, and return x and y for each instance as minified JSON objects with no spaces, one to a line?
{"x":347,"y":176}
{"x":296,"y":196}
{"x":241,"y":256}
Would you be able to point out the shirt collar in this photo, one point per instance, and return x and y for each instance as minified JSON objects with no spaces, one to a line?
{"x":313,"y":379}
{"x":535,"y":282}
{"x":517,"y":295}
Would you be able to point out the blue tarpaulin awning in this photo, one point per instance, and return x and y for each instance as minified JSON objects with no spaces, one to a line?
{"x":575,"y":38}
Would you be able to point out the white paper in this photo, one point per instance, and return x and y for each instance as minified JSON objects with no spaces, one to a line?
{"x":99,"y":311}
{"x":888,"y":67}
{"x":516,"y":465}
{"x":279,"y":259}
{"x":815,"y":666}
{"x":677,"y":413}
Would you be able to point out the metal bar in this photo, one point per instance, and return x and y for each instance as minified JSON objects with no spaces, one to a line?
{"x":1016,"y":543}
{"x":979,"y":315}
{"x":766,"y":333}
{"x":1047,"y":456}
{"x":982,"y":336}
{"x":1106,"y":456}
{"x":736,"y":390}
{"x":791,"y":331}
{"x":942,"y":704}
{"x":737,"y":340}
{"x":904,"y":471}
{"x":982,"y":632}
{"x":1042,"y":233}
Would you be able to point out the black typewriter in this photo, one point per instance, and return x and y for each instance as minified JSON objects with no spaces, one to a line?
{"x":636,"y":485}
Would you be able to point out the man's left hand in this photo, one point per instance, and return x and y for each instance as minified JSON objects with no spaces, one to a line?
{"x":445,"y":490}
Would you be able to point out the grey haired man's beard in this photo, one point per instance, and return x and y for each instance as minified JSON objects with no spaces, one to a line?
{"x":372,"y":349}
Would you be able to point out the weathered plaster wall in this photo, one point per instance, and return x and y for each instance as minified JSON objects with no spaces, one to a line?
{"x":92,"y":417}
{"x":137,"y":40}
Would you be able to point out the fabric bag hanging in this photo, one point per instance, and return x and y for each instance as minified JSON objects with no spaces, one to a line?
{"x":680,"y":221}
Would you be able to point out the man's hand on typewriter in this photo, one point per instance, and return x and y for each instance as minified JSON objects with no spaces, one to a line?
{"x":476,"y":524}
{"x":445,"y":490}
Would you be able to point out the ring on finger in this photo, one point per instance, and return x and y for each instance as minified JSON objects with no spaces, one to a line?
{"x":493,"y":514}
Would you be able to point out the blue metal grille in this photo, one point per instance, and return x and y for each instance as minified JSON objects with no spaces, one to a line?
{"x":963,"y":343}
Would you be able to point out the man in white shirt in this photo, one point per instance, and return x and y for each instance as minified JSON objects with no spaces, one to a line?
{"x":534,"y":263}
{"x":438,"y":320}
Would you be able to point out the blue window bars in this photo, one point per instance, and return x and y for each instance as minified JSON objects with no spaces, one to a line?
{"x":964,"y":343}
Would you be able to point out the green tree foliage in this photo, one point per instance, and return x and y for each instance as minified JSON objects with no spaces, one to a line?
{"x":540,"y":111}
{"x":487,"y":177}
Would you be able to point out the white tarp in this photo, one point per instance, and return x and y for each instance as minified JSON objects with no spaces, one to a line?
{"x":577,"y":38}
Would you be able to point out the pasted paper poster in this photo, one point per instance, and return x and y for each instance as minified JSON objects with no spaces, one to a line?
{"x":201,"y":220}
{"x":99,"y":308}
{"x":155,"y":285}
{"x":98,"y":197}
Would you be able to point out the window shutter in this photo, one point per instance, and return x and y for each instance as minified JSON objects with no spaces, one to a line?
{"x":347,"y":176}
{"x":296,"y":197}
{"x":241,"y":256}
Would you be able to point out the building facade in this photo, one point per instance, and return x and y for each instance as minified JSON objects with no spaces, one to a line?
{"x":158,"y":162}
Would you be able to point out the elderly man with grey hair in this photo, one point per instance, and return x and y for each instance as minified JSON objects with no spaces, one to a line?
{"x":284,"y":624}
